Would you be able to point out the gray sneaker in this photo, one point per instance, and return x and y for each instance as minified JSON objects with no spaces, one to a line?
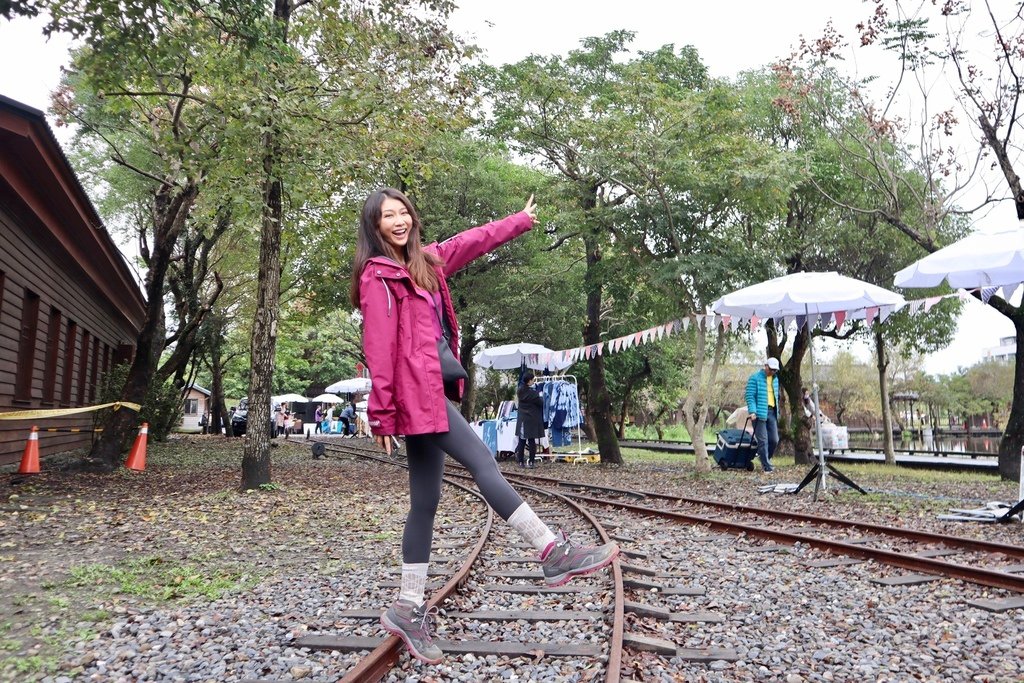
{"x":413,"y":625}
{"x":565,"y":559}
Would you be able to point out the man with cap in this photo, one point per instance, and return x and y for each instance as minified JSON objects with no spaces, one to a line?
{"x":762,"y":403}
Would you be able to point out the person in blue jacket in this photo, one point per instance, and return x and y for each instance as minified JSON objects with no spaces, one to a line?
{"x":763,"y":406}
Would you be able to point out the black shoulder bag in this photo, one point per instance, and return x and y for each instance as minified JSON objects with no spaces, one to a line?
{"x":451,"y":368}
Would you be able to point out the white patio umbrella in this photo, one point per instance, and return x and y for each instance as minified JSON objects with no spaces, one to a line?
{"x":512,"y":356}
{"x":806,"y":294}
{"x":810,"y":295}
{"x":327,"y":398}
{"x":356,"y":385}
{"x":290,"y":398}
{"x":984,"y":259}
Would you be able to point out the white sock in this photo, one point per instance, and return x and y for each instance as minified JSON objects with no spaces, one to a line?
{"x":528,"y":524}
{"x":414,"y":583}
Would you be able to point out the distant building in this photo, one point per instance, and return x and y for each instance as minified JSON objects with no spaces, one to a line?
{"x":70,"y":308}
{"x":1005,"y":352}
{"x":197,"y":403}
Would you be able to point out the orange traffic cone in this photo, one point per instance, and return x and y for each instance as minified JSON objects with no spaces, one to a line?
{"x":30,"y":458}
{"x":137,"y":456}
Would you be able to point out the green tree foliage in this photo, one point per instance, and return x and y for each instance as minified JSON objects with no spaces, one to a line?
{"x":660,"y":174}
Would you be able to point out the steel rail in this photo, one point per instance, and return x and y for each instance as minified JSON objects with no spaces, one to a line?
{"x":374,"y":666}
{"x":613,"y":670}
{"x":938,"y":453}
{"x":985,"y":577}
{"x":899,"y":532}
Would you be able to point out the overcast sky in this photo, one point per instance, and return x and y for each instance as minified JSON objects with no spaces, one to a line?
{"x":730,"y":36}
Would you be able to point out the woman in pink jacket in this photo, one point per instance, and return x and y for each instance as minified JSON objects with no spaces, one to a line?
{"x":409,"y":325}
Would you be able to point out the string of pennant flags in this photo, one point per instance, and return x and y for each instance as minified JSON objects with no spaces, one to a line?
{"x":711,"y":321}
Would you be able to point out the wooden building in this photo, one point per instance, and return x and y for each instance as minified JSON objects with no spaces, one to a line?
{"x":70,"y":307}
{"x":197,"y":404}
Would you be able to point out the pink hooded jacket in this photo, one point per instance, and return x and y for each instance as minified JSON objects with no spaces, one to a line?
{"x":399,"y":338}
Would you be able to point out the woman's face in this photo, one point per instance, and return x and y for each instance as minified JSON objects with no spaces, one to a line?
{"x":395,"y":224}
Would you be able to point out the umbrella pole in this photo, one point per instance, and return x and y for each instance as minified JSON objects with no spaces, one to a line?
{"x":821,"y":469}
{"x":1018,"y":509}
{"x":820,"y":482}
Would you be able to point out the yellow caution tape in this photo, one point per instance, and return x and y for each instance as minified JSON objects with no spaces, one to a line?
{"x":36,"y":414}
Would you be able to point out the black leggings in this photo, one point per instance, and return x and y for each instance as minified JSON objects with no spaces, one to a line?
{"x":426,"y":465}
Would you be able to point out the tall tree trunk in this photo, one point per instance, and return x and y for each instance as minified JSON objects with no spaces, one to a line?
{"x":215,"y":347}
{"x":883,"y":392}
{"x":794,"y":432}
{"x":695,"y":407}
{"x":218,"y":411}
{"x":599,"y":405}
{"x":263,"y":343}
{"x":172,"y":211}
{"x":627,"y":393}
{"x":466,"y":345}
{"x":1013,"y":435}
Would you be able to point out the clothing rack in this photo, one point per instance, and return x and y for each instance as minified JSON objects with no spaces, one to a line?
{"x":579,"y":438}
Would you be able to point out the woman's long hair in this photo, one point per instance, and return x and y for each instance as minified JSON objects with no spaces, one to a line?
{"x":369,"y":244}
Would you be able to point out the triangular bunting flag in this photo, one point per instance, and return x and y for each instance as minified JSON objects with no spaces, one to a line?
{"x":801,"y":320}
{"x":869,"y":315}
{"x":790,"y":320}
{"x":884,"y":312}
{"x":711,"y":323}
{"x":825,"y":321}
{"x":1010,"y":291}
{"x":840,"y":319}
{"x":914,"y":307}
{"x":734,"y":323}
{"x":754,"y":320}
{"x":931,"y":301}
{"x":686,"y":325}
{"x":987,"y":292}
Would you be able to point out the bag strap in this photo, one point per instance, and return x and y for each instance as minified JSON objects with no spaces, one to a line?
{"x":443,"y":319}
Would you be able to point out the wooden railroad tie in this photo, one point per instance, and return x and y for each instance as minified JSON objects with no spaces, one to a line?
{"x":476,"y":647}
{"x":904,"y":580}
{"x":998,"y":604}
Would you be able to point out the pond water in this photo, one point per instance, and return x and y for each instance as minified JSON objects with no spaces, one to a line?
{"x":946,"y":444}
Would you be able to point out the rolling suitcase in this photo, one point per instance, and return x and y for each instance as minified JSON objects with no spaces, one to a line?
{"x":736,"y":449}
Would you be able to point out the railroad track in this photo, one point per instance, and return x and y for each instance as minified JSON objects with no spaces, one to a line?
{"x":487,"y":573}
{"x":666,"y":613}
{"x":985,"y":563}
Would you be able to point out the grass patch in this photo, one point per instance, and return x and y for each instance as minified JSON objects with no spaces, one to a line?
{"x":668,"y":433}
{"x":916,"y":474}
{"x":155,"y":578}
{"x":639,"y":455}
{"x":31,"y":664}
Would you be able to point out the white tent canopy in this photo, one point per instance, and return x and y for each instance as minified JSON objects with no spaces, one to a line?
{"x":356,"y":385}
{"x":327,"y":398}
{"x":289,"y":398}
{"x":984,"y":259}
{"x":512,"y":357}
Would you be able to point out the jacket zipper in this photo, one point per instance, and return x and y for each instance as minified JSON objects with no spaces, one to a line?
{"x":388,"y":292}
